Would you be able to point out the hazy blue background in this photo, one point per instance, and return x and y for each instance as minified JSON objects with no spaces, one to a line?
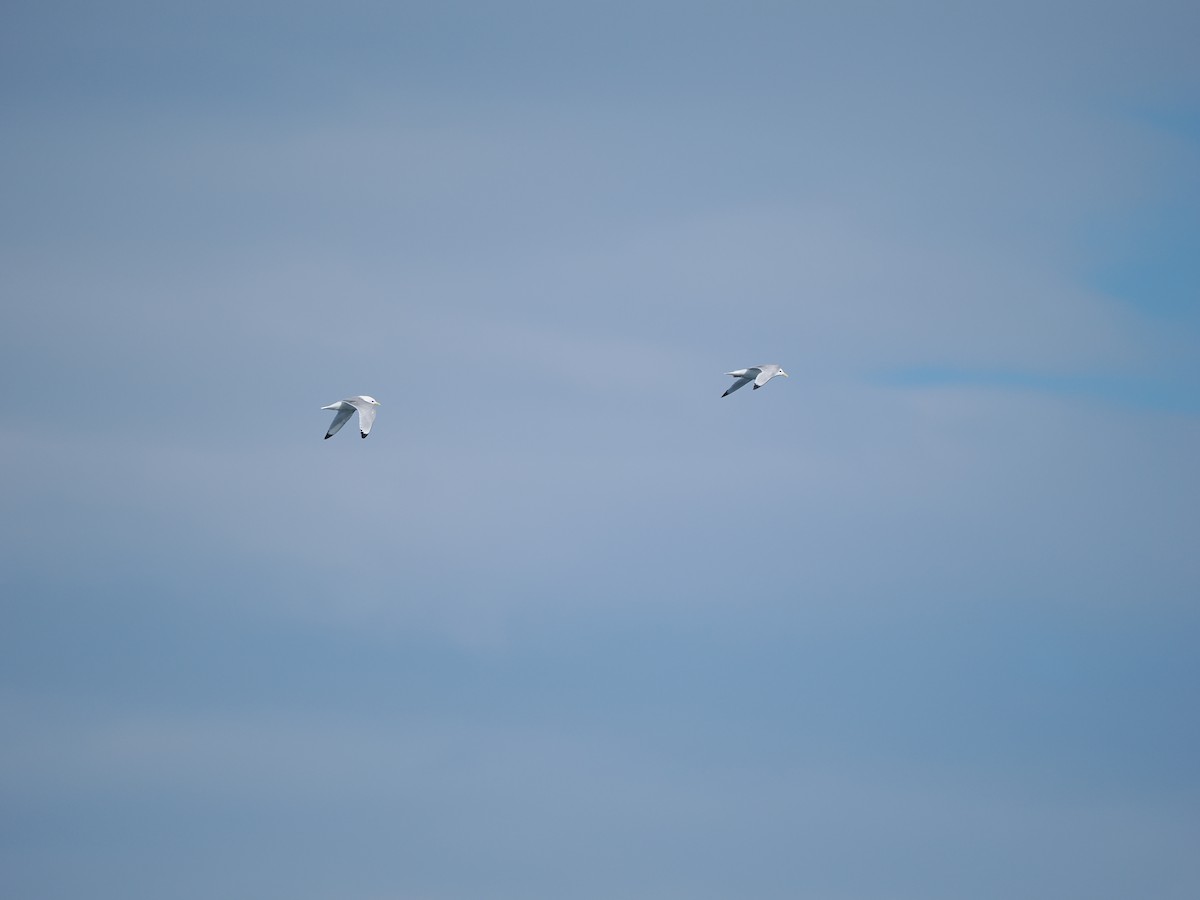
{"x":921,"y":621}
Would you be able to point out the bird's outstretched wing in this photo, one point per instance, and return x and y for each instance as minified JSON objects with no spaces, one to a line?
{"x":740,"y":383}
{"x":366,"y":416}
{"x":339,"y":419}
{"x":765,"y":374}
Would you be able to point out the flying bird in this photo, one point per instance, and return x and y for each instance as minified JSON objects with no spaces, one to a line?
{"x":760,"y":375}
{"x":345,"y":409}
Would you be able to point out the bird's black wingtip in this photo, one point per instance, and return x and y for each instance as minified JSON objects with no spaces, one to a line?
{"x":328,"y":436}
{"x":757,"y":386}
{"x":364,"y":434}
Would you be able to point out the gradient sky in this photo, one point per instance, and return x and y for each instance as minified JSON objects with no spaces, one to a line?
{"x":920,"y":621}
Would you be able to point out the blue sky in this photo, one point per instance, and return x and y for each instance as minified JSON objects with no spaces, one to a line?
{"x":919,"y":621}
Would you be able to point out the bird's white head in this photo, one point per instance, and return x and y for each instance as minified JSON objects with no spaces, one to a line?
{"x":783,"y":373}
{"x":370,"y":400}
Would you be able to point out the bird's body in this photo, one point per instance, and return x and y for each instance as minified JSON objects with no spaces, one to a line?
{"x":345,"y":409}
{"x":760,"y":375}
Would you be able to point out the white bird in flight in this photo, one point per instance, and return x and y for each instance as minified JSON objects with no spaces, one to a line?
{"x":345,"y":409}
{"x":760,"y":375}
